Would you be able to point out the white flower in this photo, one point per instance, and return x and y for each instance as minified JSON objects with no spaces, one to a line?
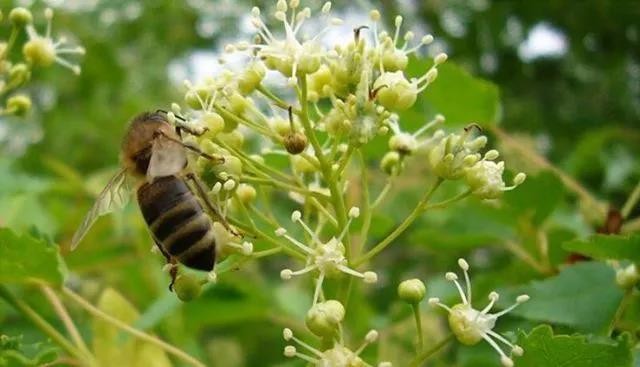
{"x":43,"y":50}
{"x":405,"y":143}
{"x":485,"y":177}
{"x":452,"y":155}
{"x":470,"y":326}
{"x":327,"y":258}
{"x":336,"y":356}
{"x":289,"y":55}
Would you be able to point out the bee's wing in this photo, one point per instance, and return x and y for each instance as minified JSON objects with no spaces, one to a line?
{"x":167,"y":158}
{"x":114,"y":196}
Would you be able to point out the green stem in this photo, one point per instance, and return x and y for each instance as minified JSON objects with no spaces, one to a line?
{"x":626,"y":300}
{"x":178,"y":353}
{"x":402,"y":227}
{"x":418,"y":319}
{"x":41,"y":323}
{"x":325,"y":167}
{"x":420,"y":358}
{"x":449,"y":201}
{"x":271,"y":96}
{"x":631,"y":201}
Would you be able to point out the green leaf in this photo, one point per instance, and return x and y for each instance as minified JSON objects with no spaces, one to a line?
{"x":14,"y":353}
{"x":604,"y":247}
{"x":24,"y":258}
{"x":542,"y":348}
{"x":109,"y":349}
{"x":456,"y":94}
{"x":537,"y":197}
{"x":583,"y":296}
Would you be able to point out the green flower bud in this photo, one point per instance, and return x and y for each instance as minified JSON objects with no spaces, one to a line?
{"x":20,"y":17}
{"x":324,"y":318}
{"x":232,"y":166}
{"x":246,"y":193}
{"x":295,"y":143}
{"x":214,"y":122}
{"x":316,"y":83}
{"x":302,"y":165}
{"x":187,"y":287}
{"x":390,"y":163}
{"x":19,"y":104}
{"x":628,"y":277}
{"x":39,"y":51}
{"x":251,"y":77}
{"x":19,"y":74}
{"x":412,"y":291}
{"x":234,"y":139}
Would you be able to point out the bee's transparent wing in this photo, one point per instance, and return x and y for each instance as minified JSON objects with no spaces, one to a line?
{"x":167,"y":158}
{"x":113,"y":197}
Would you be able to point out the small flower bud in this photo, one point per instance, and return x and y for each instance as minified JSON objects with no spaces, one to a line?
{"x":412,"y":291}
{"x":213,"y":122}
{"x":187,"y":287}
{"x":522,"y":298}
{"x":20,"y":17}
{"x":19,"y":104}
{"x":354,"y":212}
{"x":627,"y":277}
{"x":246,"y":193}
{"x":295,"y":143}
{"x":19,"y":74}
{"x":390,"y":163}
{"x":323,"y":319}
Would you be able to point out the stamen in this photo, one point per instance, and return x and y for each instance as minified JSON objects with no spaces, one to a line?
{"x":465,"y":269}
{"x":521,"y":299}
{"x":452,"y":277}
{"x":493,"y":297}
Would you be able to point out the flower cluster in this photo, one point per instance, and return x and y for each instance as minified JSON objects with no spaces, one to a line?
{"x":37,"y":51}
{"x":470,"y":326}
{"x":291,"y":119}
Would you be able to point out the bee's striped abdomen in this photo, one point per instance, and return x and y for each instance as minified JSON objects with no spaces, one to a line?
{"x":178,"y":222}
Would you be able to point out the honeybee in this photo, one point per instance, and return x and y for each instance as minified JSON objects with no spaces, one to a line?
{"x":154,"y":156}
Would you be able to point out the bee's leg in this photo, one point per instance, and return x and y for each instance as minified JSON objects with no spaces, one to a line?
{"x":173,"y":271}
{"x":203,"y":194}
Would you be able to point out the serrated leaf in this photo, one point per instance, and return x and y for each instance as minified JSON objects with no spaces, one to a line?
{"x":583,"y":296}
{"x":109,"y":349}
{"x":456,"y":94}
{"x":542,"y":348}
{"x":14,"y":353}
{"x":604,"y":247}
{"x":24,"y":258}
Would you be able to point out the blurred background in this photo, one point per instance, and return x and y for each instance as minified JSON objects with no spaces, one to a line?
{"x":568,"y":75}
